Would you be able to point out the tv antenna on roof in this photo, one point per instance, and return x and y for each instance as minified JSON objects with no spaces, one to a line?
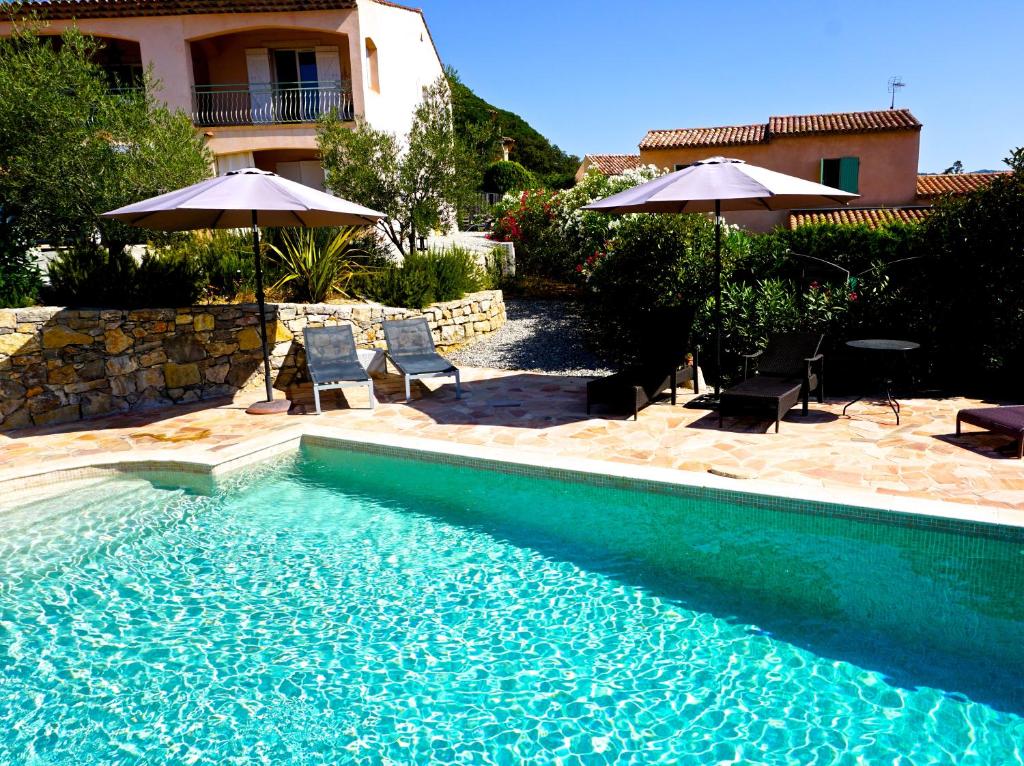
{"x":895,"y":83}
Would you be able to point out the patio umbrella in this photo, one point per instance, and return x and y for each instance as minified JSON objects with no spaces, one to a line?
{"x":242,"y":198}
{"x":714,"y":185}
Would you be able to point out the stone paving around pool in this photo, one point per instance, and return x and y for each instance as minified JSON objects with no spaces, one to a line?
{"x":541,"y":414}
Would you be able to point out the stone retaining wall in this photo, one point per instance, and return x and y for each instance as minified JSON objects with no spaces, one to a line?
{"x":61,"y":365}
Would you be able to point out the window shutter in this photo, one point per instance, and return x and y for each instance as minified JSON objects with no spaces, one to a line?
{"x":257,"y":62}
{"x":849,"y":174}
{"x":328,"y":66}
{"x":821,"y":171}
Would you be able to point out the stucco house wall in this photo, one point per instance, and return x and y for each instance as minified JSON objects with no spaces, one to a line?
{"x":407,"y":61}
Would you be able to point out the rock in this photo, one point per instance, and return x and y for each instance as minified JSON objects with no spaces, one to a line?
{"x":152,"y":377}
{"x":221,"y":348}
{"x":153,"y":358}
{"x":204,"y":322}
{"x":17,"y":419}
{"x":82,"y":387}
{"x":116,"y":341}
{"x":44,"y":402}
{"x":183,"y":319}
{"x":218,"y":373}
{"x":94,"y":369}
{"x":17,"y":343}
{"x":8,"y":320}
{"x":249,"y":339}
{"x":181,"y":375}
{"x":61,"y":375}
{"x":121,"y":365}
{"x":184,"y":348}
{"x":98,"y":403}
{"x":282,"y":333}
{"x":60,"y":336}
{"x":122,"y":385}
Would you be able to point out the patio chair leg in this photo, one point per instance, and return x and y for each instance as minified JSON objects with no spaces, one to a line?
{"x":1020,"y":448}
{"x":776,"y":425}
{"x":373,"y":399}
{"x":408,"y":392}
{"x":458,"y":386}
{"x":316,"y":398}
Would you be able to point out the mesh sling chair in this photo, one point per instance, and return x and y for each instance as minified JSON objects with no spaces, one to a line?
{"x":411,"y":350}
{"x":333,"y":363}
{"x":789,"y":368}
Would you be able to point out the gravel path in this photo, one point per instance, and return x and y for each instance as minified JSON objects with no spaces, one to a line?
{"x":539,"y":336}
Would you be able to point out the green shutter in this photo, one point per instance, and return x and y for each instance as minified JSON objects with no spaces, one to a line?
{"x":849,"y":172}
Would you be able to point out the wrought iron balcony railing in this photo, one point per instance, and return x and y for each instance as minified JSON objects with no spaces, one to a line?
{"x":270,"y":103}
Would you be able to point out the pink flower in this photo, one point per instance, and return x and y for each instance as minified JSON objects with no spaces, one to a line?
{"x":853,"y":297}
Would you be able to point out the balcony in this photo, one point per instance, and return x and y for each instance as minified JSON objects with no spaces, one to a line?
{"x":278,"y":103}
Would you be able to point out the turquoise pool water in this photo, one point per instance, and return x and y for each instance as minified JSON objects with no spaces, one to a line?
{"x":346,"y":608}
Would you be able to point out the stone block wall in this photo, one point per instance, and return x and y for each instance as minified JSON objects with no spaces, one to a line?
{"x":61,"y":365}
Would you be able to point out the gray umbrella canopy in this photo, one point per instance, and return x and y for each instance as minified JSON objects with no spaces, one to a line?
{"x":227,"y":202}
{"x":718,"y":185}
{"x":242,"y":198}
{"x":732,"y":184}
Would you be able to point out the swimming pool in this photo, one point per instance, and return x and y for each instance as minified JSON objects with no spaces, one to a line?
{"x":338,"y":606}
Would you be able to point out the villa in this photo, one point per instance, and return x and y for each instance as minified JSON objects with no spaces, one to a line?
{"x":874,"y":154}
{"x":255,"y":75}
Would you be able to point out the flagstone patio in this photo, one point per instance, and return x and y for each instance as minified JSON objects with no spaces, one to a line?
{"x":541,"y":414}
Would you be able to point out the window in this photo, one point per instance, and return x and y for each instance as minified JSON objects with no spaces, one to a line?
{"x":841,"y":173}
{"x":295,"y":68}
{"x":680,"y":166}
{"x":296,"y":95}
{"x":372,"y":66}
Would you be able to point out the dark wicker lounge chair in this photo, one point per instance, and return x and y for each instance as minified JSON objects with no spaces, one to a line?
{"x":632,"y":389}
{"x":411,"y":349}
{"x":1001,"y":420}
{"x":333,"y":363}
{"x":660,"y":354}
{"x":789,"y":369}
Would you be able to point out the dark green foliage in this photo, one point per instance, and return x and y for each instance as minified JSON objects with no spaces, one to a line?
{"x":504,"y":176}
{"x":70,"y":148}
{"x":973,"y":289}
{"x":225,"y":262}
{"x":425,"y":278}
{"x":652,"y":262}
{"x":20,"y":280}
{"x":482,"y":126}
{"x":89,"y":275}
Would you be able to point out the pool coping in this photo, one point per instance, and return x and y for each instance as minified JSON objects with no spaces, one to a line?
{"x":198,"y":462}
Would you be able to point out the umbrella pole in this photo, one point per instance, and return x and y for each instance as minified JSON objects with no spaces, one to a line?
{"x":718,"y":297}
{"x":269,"y":406}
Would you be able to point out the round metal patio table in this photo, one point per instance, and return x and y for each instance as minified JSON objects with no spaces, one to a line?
{"x":887,"y":347}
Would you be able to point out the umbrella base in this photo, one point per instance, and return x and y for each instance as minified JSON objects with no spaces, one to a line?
{"x":275,"y":407}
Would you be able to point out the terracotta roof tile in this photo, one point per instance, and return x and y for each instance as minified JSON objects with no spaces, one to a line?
{"x":863,"y":216}
{"x":954,"y":183}
{"x":843,"y":122}
{"x":726,"y":135}
{"x":102,"y":9}
{"x":614,"y":164}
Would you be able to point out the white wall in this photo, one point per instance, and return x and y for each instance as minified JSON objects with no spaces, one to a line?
{"x":407,"y":62}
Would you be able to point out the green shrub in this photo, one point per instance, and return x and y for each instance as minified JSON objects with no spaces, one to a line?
{"x":87,"y":275}
{"x":225,"y":260}
{"x":165,"y":281}
{"x":505,"y":176}
{"x":425,"y":278}
{"x":20,"y":280}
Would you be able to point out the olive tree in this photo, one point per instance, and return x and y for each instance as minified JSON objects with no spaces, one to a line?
{"x":72,"y":147}
{"x":418,"y":181}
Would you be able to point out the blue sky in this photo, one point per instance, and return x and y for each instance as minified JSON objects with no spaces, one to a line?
{"x":594,"y":76}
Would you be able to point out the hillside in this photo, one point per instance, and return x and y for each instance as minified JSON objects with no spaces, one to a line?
{"x":483,"y":124}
